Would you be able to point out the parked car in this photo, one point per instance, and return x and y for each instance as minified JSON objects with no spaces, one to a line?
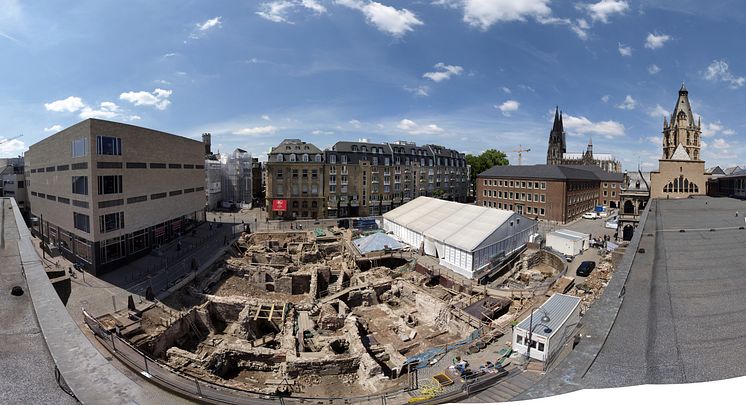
{"x":590,"y":215}
{"x":585,"y":268}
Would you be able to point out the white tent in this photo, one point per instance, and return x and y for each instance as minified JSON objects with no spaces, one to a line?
{"x":464,"y":237}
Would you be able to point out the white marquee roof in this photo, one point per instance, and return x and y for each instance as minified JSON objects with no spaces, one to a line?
{"x":460,"y":225}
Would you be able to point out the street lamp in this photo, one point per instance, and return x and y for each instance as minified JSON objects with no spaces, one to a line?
{"x":544,"y":320}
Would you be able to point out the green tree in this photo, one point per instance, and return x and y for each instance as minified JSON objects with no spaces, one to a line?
{"x":488,"y":159}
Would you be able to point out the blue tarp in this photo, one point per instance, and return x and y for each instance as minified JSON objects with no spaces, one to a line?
{"x":375,"y":242}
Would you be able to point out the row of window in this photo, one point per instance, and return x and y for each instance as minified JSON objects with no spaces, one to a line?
{"x":292,"y":157}
{"x":387,"y":161}
{"x":61,"y":168}
{"x":506,"y":206}
{"x":118,"y":165}
{"x":117,"y":202}
{"x":514,"y":196}
{"x":613,"y":185}
{"x":106,"y":185}
{"x":107,"y":222}
{"x":539,"y":346}
{"x":516,"y":183}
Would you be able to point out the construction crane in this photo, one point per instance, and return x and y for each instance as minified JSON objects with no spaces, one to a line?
{"x":10,"y":139}
{"x":520,"y":152}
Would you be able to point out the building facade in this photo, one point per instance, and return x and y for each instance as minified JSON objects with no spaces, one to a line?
{"x":557,"y":150}
{"x":257,"y":183}
{"x":236,"y":184}
{"x":213,"y":183}
{"x":104,"y":192}
{"x":681,"y":172}
{"x":13,"y":182}
{"x":295,"y":181}
{"x":556,"y":193}
{"x":635,"y":196}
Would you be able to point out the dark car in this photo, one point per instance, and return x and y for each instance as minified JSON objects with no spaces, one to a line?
{"x":585,"y":268}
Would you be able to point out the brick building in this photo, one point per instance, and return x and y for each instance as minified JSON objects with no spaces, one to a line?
{"x":104,"y":192}
{"x":555,"y":193}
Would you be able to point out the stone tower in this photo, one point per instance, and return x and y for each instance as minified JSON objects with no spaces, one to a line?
{"x":682,"y":130}
{"x":588,"y":155}
{"x":557,"y":145}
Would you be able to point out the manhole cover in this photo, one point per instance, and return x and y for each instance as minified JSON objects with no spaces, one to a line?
{"x":17,"y":291}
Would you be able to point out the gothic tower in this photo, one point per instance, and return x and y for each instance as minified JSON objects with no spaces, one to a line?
{"x":682,"y":130}
{"x":556,"y":140}
{"x":588,"y":155}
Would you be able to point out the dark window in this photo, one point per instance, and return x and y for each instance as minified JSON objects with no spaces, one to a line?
{"x":188,"y":190}
{"x":108,"y":145}
{"x":80,"y":185}
{"x":109,"y":184}
{"x":33,"y":170}
{"x":51,"y":197}
{"x":199,"y":189}
{"x":81,"y":204}
{"x":175,"y":192}
{"x":111,"y":222}
{"x":188,"y":166}
{"x":42,"y":195}
{"x":136,"y":165}
{"x":199,"y":166}
{"x":33,"y":193}
{"x":174,"y":165}
{"x":63,"y":200}
{"x":157,"y":165}
{"x":81,"y":222}
{"x":109,"y":165}
{"x":79,"y":166}
{"x":79,"y":147}
{"x":51,"y":169}
{"x":20,"y":184}
{"x":110,"y":203}
{"x":157,"y":196}
{"x":61,"y":168}
{"x":40,"y":170}
{"x":133,"y":200}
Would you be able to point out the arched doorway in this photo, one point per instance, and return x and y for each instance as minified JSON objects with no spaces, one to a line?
{"x":627,"y":232}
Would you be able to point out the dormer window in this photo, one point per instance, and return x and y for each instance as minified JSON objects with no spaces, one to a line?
{"x":305,"y":157}
{"x":292,"y":157}
{"x":279,"y":157}
{"x":317,"y":158}
{"x":354,"y":148}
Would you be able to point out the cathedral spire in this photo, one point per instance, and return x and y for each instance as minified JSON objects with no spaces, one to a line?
{"x":557,"y":126}
{"x":557,"y":146}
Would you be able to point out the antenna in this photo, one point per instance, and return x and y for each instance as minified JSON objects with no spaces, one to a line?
{"x":520,"y":152}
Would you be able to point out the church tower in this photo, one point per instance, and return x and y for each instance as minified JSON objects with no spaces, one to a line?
{"x":557,"y":145}
{"x":588,"y":155}
{"x":682,"y":130}
{"x":681,"y":169}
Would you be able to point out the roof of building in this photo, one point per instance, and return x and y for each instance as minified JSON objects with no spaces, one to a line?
{"x":295,"y":146}
{"x":459,"y":225}
{"x":375,"y":242}
{"x":680,"y":153}
{"x":566,"y":233}
{"x":596,"y":156}
{"x":558,"y":308}
{"x":714,"y":170}
{"x":637,"y":181}
{"x":731,"y":170}
{"x":553,"y":172}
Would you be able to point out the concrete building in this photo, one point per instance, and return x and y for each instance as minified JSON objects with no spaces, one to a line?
{"x":13,"y":182}
{"x":104,"y":192}
{"x":635,"y":196}
{"x":557,"y":150}
{"x":470,"y":240}
{"x":681,"y":172}
{"x":541,"y":335}
{"x":367,"y":178}
{"x":555,"y":193}
{"x":236,"y":184}
{"x":213,"y":183}
{"x":295,"y":181}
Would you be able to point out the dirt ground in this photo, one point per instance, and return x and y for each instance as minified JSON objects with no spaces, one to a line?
{"x":240,"y":286}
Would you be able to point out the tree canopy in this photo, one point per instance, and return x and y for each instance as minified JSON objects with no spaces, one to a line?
{"x":488,"y":158}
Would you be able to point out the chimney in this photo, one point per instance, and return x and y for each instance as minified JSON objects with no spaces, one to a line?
{"x":206,"y":140}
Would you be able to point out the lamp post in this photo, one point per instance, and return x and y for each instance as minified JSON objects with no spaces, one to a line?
{"x":544,"y":319}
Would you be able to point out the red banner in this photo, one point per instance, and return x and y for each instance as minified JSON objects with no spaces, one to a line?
{"x":279,"y":205}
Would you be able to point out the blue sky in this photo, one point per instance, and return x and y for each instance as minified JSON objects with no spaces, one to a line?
{"x":466,"y":74}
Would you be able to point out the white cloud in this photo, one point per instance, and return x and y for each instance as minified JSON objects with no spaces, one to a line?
{"x":107,"y":110}
{"x":134,"y":118}
{"x":354,"y":123}
{"x":278,"y":10}
{"x":201,"y":29}
{"x":266,"y":117}
{"x":655,"y":140}
{"x":582,"y":126}
{"x":629,"y":103}
{"x":716,"y":128}
{"x":320,"y":132}
{"x":393,"y":21}
{"x":483,"y":14}
{"x":729,"y":132}
{"x":413,"y":128}
{"x":508,"y":107}
{"x":624,"y":50}
{"x":266,"y":130}
{"x":12,"y":147}
{"x":720,"y":143}
{"x":658,"y":112}
{"x":443,"y":72}
{"x":603,"y":9}
{"x":653,"y":69}
{"x":605,"y":98}
{"x":655,"y":41}
{"x":53,"y":128}
{"x":720,"y":71}
{"x":422,"y":91}
{"x":506,"y":90}
{"x":11,"y":18}
{"x":70,"y":104}
{"x":159,"y":98}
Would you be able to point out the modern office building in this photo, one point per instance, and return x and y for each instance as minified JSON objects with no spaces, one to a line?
{"x":104,"y":192}
{"x":13,"y":182}
{"x":555,"y":193}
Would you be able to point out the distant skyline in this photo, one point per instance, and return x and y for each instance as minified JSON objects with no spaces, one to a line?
{"x":466,"y":74}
